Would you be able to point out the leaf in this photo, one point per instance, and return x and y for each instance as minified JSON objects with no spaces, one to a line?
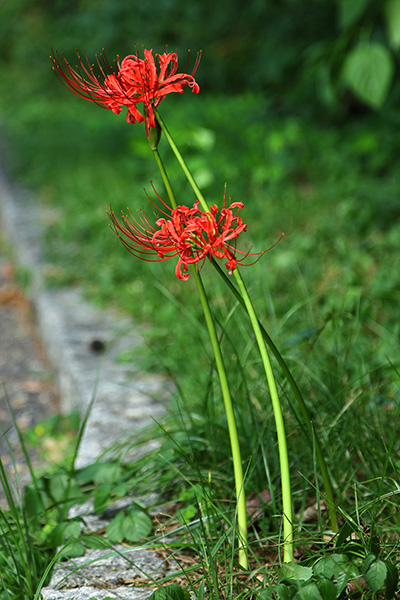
{"x":200,"y":591}
{"x":368,"y":71}
{"x":120,"y":490}
{"x":137,"y":524}
{"x":114,"y":528}
{"x":350,"y":11}
{"x":100,"y":472}
{"x":368,"y":562}
{"x":73,"y":550}
{"x":73,"y":529}
{"x":170,"y":592}
{"x":344,"y":533}
{"x":331,"y":566}
{"x":35,"y":502}
{"x":96,"y":541}
{"x":279,"y":591}
{"x":108,"y":473}
{"x":392,"y":579}
{"x":392,"y":15}
{"x":294,"y":572}
{"x":131,"y":525}
{"x":62,"y":488}
{"x":102,"y":497}
{"x":334,"y":566}
{"x":308,"y":592}
{"x":376,"y":575}
{"x":327,"y":589}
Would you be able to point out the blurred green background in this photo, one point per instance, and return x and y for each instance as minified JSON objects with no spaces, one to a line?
{"x":298,"y":113}
{"x":297,"y":53}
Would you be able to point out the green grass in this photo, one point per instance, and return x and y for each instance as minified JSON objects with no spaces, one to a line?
{"x":328,"y":294}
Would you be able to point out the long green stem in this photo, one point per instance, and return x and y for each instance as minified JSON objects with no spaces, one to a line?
{"x":182,"y":163}
{"x":308,"y":421}
{"x":230,"y":416}
{"x":165,"y":177}
{"x":283,"y":455}
{"x":280,"y":427}
{"x":295,"y":389}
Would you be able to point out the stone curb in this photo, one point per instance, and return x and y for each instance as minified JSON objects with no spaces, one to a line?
{"x":72,"y":330}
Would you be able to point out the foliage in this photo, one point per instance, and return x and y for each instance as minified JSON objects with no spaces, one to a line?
{"x":21,"y":560}
{"x":362,"y":55}
{"x":335,"y":279}
{"x":54,"y":438}
{"x":330,"y":576}
{"x":271,"y":47}
{"x":170,"y":592}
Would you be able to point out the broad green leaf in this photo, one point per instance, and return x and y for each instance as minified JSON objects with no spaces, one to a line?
{"x":100,"y":472}
{"x":279,"y":591}
{"x":137,"y":524}
{"x":102,"y":497}
{"x":294,"y":572}
{"x":63,"y":488}
{"x":334,"y":566}
{"x":331,"y":566}
{"x":115,"y":528}
{"x":73,"y":550}
{"x":350,"y":11}
{"x":392,"y":14}
{"x":120,"y":490}
{"x":392,"y":580}
{"x":342,"y":580}
{"x":327,"y":589}
{"x":171,"y":592}
{"x":368,"y":562}
{"x":368,"y":71}
{"x":308,"y":592}
{"x":35,"y":501}
{"x":72,"y":529}
{"x":132,"y":525}
{"x":376,"y":575}
{"x":108,"y":473}
{"x":63,"y":532}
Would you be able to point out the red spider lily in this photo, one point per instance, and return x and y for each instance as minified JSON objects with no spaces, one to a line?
{"x":188,"y":233}
{"x":135,"y":80}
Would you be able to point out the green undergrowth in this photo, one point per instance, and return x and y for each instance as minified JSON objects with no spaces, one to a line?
{"x":328,"y":294}
{"x":175,"y":500}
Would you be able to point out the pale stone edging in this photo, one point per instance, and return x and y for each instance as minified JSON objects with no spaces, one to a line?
{"x":68,"y":325}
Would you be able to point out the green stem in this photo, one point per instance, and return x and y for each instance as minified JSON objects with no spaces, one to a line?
{"x":182,"y":163}
{"x":308,"y":421}
{"x":230,"y":416}
{"x":280,"y":427}
{"x":165,"y":178}
{"x":295,"y":389}
{"x":233,"y":435}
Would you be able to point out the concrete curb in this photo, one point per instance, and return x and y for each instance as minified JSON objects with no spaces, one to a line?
{"x":71,"y":330}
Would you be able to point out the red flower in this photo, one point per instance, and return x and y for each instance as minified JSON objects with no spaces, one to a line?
{"x":135,"y":80}
{"x":188,"y":233}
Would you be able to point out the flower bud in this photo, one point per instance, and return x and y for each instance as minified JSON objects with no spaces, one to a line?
{"x":154,"y":136}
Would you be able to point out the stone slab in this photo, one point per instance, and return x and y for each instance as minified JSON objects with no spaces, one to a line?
{"x":90,"y":593}
{"x":108,"y":568}
{"x":124,"y":399}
